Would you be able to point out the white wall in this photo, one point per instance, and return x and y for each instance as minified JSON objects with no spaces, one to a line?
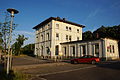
{"x":111,"y":54}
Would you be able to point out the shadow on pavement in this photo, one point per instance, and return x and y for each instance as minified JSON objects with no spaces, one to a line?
{"x":111,"y":65}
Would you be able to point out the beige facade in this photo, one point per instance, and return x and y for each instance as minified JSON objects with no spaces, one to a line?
{"x":53,"y":31}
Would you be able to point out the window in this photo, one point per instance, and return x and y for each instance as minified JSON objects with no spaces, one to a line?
{"x":42,"y":50}
{"x":66,"y":37}
{"x":48,"y":24}
{"x":36,"y":36}
{"x":57,"y":26}
{"x":47,"y":36}
{"x":83,"y":49}
{"x":70,"y":38}
{"x":110,"y":49}
{"x":64,"y":51}
{"x":41,"y":37}
{"x":66,"y":28}
{"x":48,"y":50}
{"x":77,"y":30}
{"x":69,"y":28}
{"x":96,"y":48}
{"x":113,"y":48}
{"x":57,"y":50}
{"x":77,"y":38}
{"x":57,"y":36}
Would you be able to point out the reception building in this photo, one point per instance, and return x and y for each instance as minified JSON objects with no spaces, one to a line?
{"x":56,"y":37}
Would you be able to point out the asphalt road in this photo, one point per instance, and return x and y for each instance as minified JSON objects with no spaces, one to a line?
{"x":67,"y":71}
{"x":100,"y":72}
{"x":27,"y":60}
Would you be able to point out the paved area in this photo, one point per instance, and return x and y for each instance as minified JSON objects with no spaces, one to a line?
{"x":46,"y":70}
{"x":27,"y":60}
{"x":105,"y":71}
{"x":93,"y":73}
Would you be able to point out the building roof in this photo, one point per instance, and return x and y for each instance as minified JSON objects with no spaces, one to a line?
{"x":82,"y":41}
{"x":57,"y":19}
{"x":79,"y":41}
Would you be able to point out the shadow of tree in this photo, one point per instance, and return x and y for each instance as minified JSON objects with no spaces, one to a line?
{"x":113,"y":65}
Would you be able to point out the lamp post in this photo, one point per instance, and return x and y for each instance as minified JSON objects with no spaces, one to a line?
{"x":9,"y":60}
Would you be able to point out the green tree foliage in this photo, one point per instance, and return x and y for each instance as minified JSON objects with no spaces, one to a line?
{"x":29,"y":49}
{"x":5,"y":31}
{"x":88,"y":35}
{"x":102,"y":32}
{"x":1,"y":41}
{"x":17,"y":46}
{"x":110,"y":32}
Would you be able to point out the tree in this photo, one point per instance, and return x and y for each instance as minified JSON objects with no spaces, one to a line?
{"x":100,"y":33}
{"x":5,"y":31}
{"x":1,"y":41}
{"x":18,"y":44}
{"x":28,"y":49}
{"x":88,"y":35}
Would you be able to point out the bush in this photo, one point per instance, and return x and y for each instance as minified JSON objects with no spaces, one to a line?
{"x":13,"y":76}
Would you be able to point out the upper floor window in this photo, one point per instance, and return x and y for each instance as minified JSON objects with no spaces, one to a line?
{"x":69,"y":28}
{"x":77,"y":30}
{"x":47,"y":36}
{"x":41,"y":37}
{"x":57,"y":26}
{"x":66,"y":37}
{"x":57,"y":36}
{"x":70,"y":38}
{"x":48,"y":24}
{"x":66,"y":28}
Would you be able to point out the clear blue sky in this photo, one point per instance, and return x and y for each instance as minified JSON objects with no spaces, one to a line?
{"x":91,"y":13}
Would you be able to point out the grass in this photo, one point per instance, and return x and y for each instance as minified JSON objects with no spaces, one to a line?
{"x":13,"y":76}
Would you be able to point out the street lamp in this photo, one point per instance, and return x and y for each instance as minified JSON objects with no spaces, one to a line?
{"x":9,"y":60}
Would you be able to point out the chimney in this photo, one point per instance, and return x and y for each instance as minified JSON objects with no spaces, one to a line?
{"x":58,"y":17}
{"x":64,"y":19}
{"x":97,"y":35}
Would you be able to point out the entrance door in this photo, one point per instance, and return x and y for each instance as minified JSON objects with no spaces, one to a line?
{"x":83,"y":49}
{"x":57,"y":50}
{"x":41,"y":50}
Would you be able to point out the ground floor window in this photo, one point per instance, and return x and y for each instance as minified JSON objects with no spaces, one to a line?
{"x":65,"y":51}
{"x":57,"y":50}
{"x":72,"y":50}
{"x":41,"y":50}
{"x":83,"y":49}
{"x":97,"y":50}
{"x":111,"y":49}
{"x":48,"y":50}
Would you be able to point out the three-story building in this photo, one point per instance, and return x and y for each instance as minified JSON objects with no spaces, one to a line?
{"x":53,"y":31}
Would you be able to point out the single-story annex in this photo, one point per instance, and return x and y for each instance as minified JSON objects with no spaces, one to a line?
{"x":104,"y":48}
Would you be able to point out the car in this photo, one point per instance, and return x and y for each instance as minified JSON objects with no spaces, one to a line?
{"x":86,"y":59}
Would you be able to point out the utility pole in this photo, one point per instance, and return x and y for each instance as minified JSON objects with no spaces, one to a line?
{"x":9,"y":60}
